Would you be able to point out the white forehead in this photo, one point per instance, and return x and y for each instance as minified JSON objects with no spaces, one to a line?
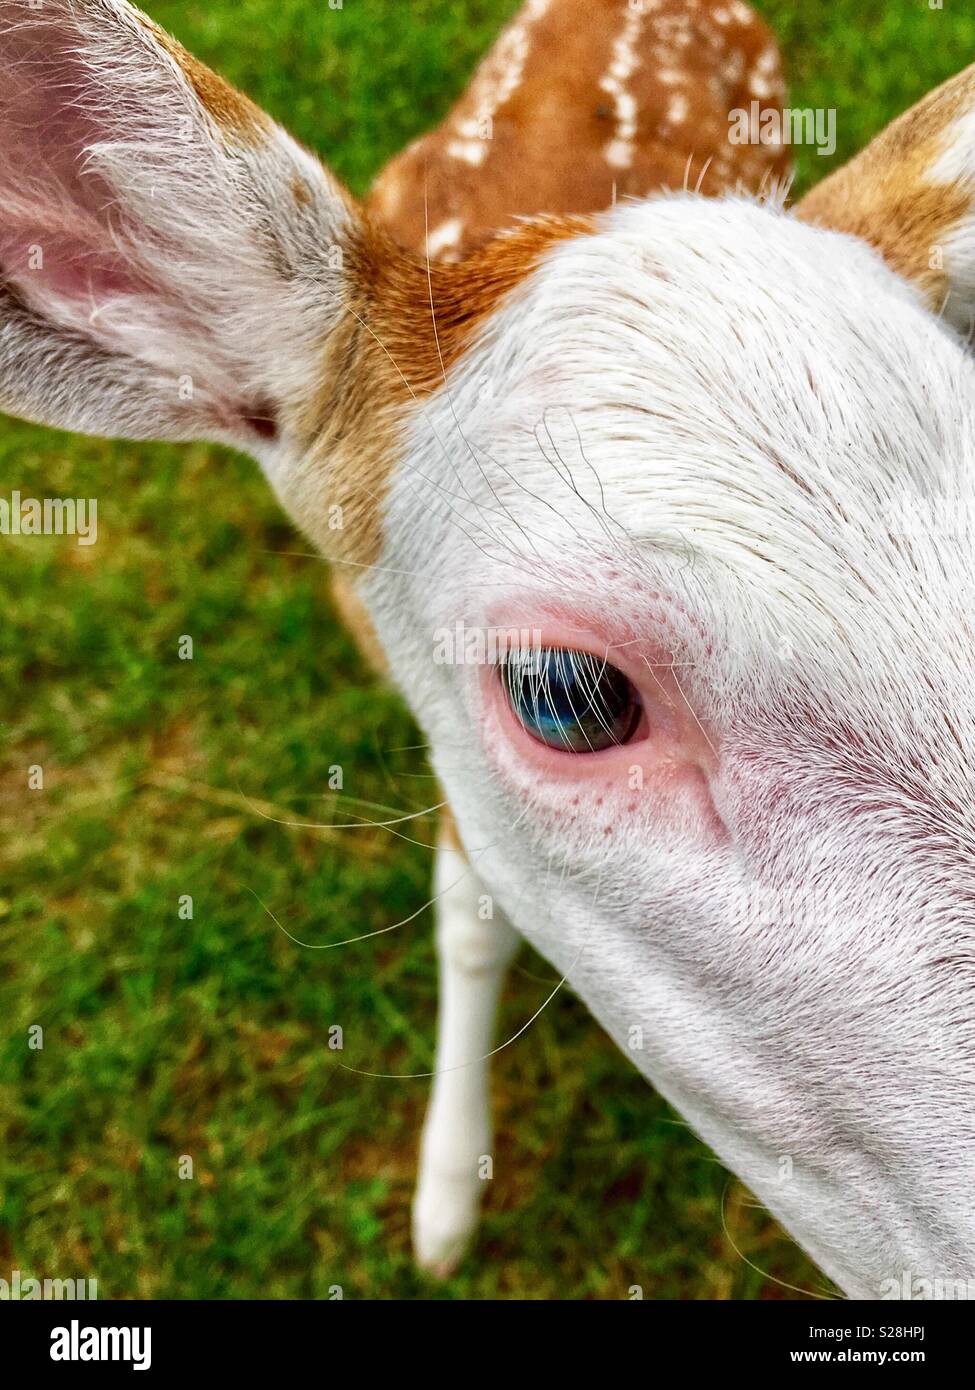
{"x":714,"y":374}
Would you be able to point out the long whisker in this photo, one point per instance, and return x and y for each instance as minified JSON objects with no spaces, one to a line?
{"x":476,"y":1061}
{"x":810,"y":1293}
{"x":366,"y":936}
{"x":361,"y":824}
{"x":687,"y":702}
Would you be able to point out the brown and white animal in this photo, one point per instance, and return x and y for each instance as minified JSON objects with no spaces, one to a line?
{"x":580,"y":104}
{"x":700,"y":461}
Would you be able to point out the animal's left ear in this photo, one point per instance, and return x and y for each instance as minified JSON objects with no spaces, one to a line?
{"x":911,"y":195}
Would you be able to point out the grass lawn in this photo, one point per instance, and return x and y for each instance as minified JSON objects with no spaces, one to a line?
{"x":166,"y":1036}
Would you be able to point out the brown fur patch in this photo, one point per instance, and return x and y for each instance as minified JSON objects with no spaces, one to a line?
{"x":235,"y":114}
{"x":549,"y":135}
{"x":409,"y":322}
{"x":886,"y":194}
{"x":358,"y":624}
{"x":449,"y":835}
{"x":406,"y":326}
{"x":426,"y":314}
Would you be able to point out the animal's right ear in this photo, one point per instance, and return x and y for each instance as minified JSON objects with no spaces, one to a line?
{"x":911,"y":195}
{"x":171,"y":262}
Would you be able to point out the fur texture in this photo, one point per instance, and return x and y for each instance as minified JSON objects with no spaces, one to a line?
{"x":726,"y":449}
{"x":159,"y":277}
{"x":747,"y":465}
{"x":583,"y":102}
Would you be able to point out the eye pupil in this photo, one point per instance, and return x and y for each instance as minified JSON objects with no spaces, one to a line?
{"x":570,"y":700}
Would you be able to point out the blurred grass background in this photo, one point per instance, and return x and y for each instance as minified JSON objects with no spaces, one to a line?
{"x":207,"y":1037}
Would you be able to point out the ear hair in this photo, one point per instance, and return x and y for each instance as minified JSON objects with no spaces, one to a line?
{"x":170,"y":260}
{"x":911,"y":195}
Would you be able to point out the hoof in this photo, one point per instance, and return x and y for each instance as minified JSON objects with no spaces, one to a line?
{"x":445,"y":1215}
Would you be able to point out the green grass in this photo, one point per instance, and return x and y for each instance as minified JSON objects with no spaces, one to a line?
{"x":208,"y":1037}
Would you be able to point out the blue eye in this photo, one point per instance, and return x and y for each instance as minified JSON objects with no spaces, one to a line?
{"x":570,"y":700}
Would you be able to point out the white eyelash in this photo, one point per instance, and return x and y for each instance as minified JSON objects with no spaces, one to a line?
{"x":573,"y":669}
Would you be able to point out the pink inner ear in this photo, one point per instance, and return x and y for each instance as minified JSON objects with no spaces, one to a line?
{"x":59,"y":244}
{"x":128,"y":225}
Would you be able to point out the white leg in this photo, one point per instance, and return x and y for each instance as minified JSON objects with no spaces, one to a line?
{"x":473,"y":953}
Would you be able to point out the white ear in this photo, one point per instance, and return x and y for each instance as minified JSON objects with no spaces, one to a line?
{"x":911,"y":195}
{"x":170,"y":260}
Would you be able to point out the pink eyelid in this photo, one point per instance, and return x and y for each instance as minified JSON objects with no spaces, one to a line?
{"x":645,"y":669}
{"x":669,"y":762}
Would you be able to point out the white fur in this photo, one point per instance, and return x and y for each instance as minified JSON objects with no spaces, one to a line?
{"x":474,"y":947}
{"x":956,"y":166}
{"x":759,"y":405}
{"x":625,"y":61}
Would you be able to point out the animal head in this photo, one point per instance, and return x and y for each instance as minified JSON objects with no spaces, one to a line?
{"x":660,"y":517}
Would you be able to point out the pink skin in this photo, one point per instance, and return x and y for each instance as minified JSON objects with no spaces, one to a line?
{"x":42,"y":143}
{"x":666,"y":766}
